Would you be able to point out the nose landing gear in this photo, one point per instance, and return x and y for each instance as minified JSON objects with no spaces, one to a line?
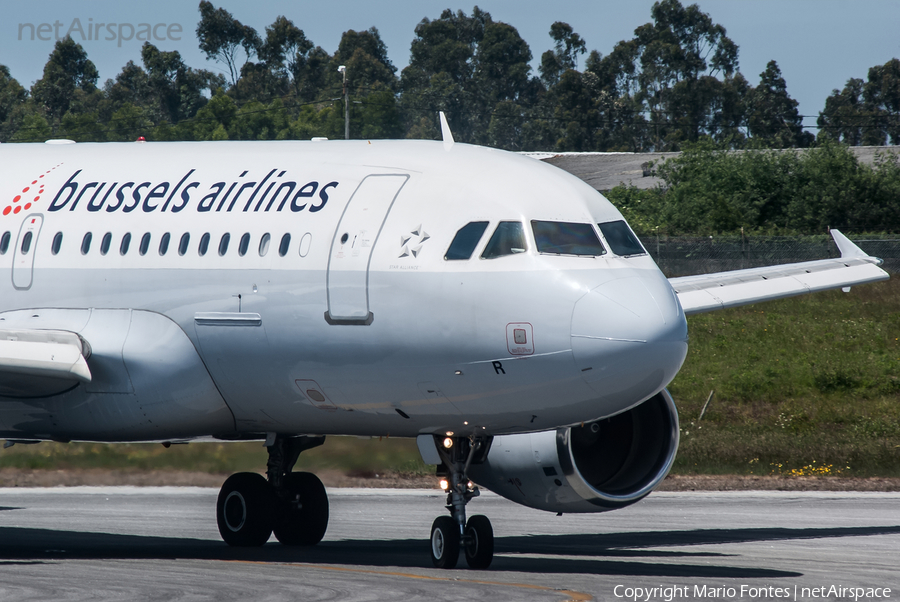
{"x":450,"y":533}
{"x":293,"y":505}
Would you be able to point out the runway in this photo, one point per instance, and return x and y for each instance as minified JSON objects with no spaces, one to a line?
{"x":124,"y":543}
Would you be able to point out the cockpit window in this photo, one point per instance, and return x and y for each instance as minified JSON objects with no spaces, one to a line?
{"x":465,"y":241}
{"x":621,"y":239}
{"x":565,"y":238}
{"x":507,"y":239}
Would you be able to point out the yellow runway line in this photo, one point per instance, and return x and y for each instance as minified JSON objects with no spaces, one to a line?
{"x":573,"y":595}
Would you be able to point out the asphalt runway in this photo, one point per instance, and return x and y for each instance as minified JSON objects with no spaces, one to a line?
{"x":125,"y":543}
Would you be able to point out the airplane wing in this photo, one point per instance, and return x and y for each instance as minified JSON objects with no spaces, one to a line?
{"x":708,"y":292}
{"x":35,"y":363}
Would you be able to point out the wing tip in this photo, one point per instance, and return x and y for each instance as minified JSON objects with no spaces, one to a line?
{"x":848,"y":248}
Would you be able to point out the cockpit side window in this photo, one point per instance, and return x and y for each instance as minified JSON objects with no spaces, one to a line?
{"x":565,"y":238}
{"x":465,"y":241}
{"x":621,"y":239}
{"x":507,"y":239}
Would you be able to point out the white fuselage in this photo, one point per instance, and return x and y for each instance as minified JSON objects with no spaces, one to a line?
{"x":375,"y":334}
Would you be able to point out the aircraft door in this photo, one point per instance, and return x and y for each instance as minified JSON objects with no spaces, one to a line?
{"x":356,"y":236}
{"x":23,"y":253}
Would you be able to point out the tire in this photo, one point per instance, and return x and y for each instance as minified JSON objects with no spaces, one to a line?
{"x":479,"y":542}
{"x":306,"y":525}
{"x":444,"y":542}
{"x":244,"y":510}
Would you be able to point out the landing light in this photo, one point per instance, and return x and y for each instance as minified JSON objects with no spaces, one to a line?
{"x":448,"y":442}
{"x":444,"y":484}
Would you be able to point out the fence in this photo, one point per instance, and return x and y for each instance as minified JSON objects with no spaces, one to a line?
{"x":683,"y":256}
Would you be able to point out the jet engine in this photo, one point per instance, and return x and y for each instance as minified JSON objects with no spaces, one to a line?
{"x":599,"y":466}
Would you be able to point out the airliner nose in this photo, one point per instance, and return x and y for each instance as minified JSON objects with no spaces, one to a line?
{"x":629,"y":338}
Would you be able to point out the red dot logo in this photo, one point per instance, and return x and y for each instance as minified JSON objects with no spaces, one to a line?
{"x":14,"y":208}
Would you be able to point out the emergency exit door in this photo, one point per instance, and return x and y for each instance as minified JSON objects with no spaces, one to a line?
{"x":351,"y":250}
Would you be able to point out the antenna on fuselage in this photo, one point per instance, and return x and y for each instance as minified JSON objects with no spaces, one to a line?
{"x":446,"y":134}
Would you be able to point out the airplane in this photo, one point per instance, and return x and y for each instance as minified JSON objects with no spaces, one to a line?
{"x":495,"y":308}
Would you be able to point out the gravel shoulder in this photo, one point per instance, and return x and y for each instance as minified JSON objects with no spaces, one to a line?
{"x":10,"y":477}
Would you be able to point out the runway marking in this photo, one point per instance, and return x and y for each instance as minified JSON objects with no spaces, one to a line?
{"x":573,"y":595}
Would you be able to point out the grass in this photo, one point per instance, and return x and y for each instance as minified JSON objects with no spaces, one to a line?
{"x":803,"y":386}
{"x":350,"y":455}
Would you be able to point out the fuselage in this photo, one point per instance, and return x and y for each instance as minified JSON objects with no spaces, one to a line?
{"x":316,"y":283}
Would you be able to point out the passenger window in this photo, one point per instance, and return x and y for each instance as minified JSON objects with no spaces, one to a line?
{"x":264,"y":244}
{"x":145,"y":244}
{"x":204,"y":244}
{"x":164,"y":243}
{"x":285,"y":245}
{"x":57,"y":243}
{"x":244,"y":245}
{"x":465,"y":241}
{"x":507,"y":239}
{"x":86,"y":243}
{"x":4,"y":243}
{"x":126,"y":241}
{"x":104,"y":244}
{"x":564,"y":238}
{"x":183,"y":245}
{"x":621,"y":239}
{"x":26,"y":243}
{"x":223,"y":244}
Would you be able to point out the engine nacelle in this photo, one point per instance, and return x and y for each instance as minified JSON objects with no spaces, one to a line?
{"x":600,"y":466}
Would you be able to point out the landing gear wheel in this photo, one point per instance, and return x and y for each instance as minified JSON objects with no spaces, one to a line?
{"x":244,"y":510}
{"x":479,"y":542}
{"x":303,"y":523}
{"x":444,"y":542}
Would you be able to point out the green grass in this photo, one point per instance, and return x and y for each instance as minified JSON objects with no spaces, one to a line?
{"x":809,"y":385}
{"x":810,"y":381}
{"x":350,"y":455}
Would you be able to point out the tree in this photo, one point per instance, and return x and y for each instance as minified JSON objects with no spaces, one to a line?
{"x":465,"y":66}
{"x":501,"y":70}
{"x":671,"y":70}
{"x":772,"y":117}
{"x":441,"y":68}
{"x":882,"y":91}
{"x":12,"y":102}
{"x":844,"y":116}
{"x":175,"y":90}
{"x":865,"y":112}
{"x":220,"y":35}
{"x":364,"y":55}
{"x":34,"y":128}
{"x":286,"y":53}
{"x":568,"y":45}
{"x":131,"y":86}
{"x":67,"y":71}
{"x":12,"y":94}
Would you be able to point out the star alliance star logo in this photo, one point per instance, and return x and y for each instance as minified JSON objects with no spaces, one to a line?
{"x":411,"y":244}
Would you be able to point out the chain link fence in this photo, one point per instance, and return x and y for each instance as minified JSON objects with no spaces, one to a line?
{"x":685,"y":256}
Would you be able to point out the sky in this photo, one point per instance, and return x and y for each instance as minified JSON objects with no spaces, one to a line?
{"x":818,"y":44}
